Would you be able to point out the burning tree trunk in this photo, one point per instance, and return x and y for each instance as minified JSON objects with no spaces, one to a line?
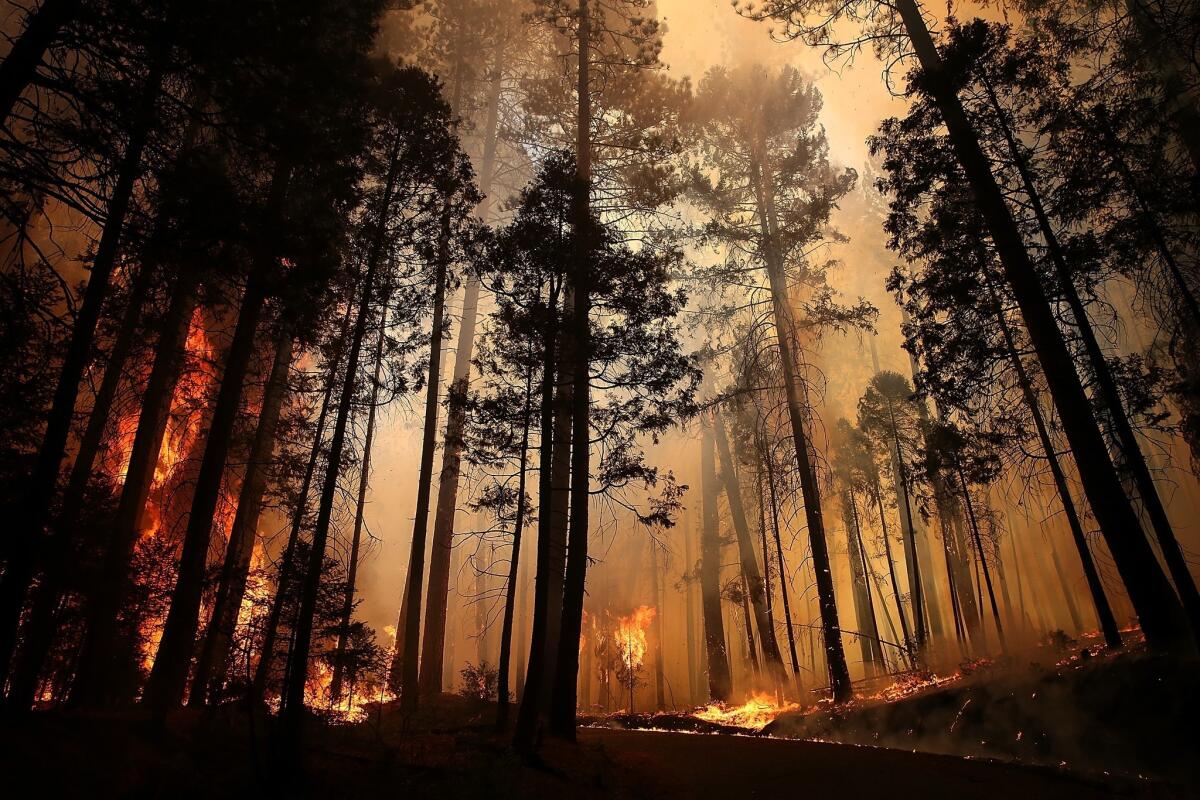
{"x":214,"y":653}
{"x":1158,"y":609}
{"x":168,"y":679}
{"x":33,"y":508}
{"x":335,"y":684}
{"x":39,"y":628}
{"x":720,"y":684}
{"x":92,"y":677}
{"x":749,"y":562}
{"x":287,"y":561}
{"x":292,"y":698}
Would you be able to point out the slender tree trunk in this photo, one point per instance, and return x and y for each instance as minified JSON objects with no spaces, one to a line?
{"x":32,"y":510}
{"x":1159,"y":611}
{"x":168,"y":678}
{"x":292,"y":699}
{"x":563,"y":700}
{"x":753,"y":579}
{"x":878,"y":658}
{"x":214,"y":653}
{"x":660,"y":696}
{"x":720,"y":684}
{"x":766,"y":553}
{"x":690,"y":610}
{"x":39,"y":628}
{"x":514,"y":564}
{"x":416,"y":565}
{"x":432,"y":654}
{"x":42,"y":28}
{"x":979,"y":551}
{"x":1126,"y":437}
{"x":99,"y":649}
{"x":751,"y":648}
{"x":908,"y":533}
{"x":887,"y":552}
{"x":364,"y":481}
{"x":287,"y":562}
{"x":785,"y":331}
{"x":1104,"y":613}
{"x":783,"y":573}
{"x":529,"y":714}
{"x":864,"y":614}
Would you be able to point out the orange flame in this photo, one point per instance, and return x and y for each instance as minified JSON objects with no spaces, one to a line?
{"x":755,"y":714}
{"x":630,"y":636}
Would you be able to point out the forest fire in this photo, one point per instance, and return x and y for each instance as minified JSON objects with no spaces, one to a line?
{"x":358,"y":361}
{"x":630,"y":637}
{"x":755,"y":714}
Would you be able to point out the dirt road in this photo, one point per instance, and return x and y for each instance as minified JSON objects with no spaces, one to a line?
{"x":698,"y":765}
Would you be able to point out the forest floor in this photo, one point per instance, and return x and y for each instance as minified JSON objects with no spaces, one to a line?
{"x":122,"y":756}
{"x":1081,"y":729}
{"x":1126,"y":719}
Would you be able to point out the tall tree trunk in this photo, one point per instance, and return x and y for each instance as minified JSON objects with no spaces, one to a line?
{"x":42,"y":28}
{"x":660,"y":696}
{"x":292,"y":699}
{"x":32,"y":509}
{"x":908,"y":533}
{"x":514,"y":565}
{"x":982,"y":555}
{"x":214,"y":653}
{"x":753,"y":578}
{"x":1104,"y":613}
{"x":266,"y":659}
{"x":1158,"y":609}
{"x":690,"y":610}
{"x":432,"y":654}
{"x":563,"y":700}
{"x":785,"y":331}
{"x":409,"y":689}
{"x":99,"y":649}
{"x":364,"y":481}
{"x":783,"y":572}
{"x":891,"y":563}
{"x":864,"y":614}
{"x":168,"y":678}
{"x":39,"y":628}
{"x":720,"y":683}
{"x":537,"y":674}
{"x":751,"y":648}
{"x":1110,"y":394}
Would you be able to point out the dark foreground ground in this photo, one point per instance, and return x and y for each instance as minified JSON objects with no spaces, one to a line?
{"x":454,"y":753}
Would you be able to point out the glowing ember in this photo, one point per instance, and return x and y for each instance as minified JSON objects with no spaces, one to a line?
{"x":755,"y":714}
